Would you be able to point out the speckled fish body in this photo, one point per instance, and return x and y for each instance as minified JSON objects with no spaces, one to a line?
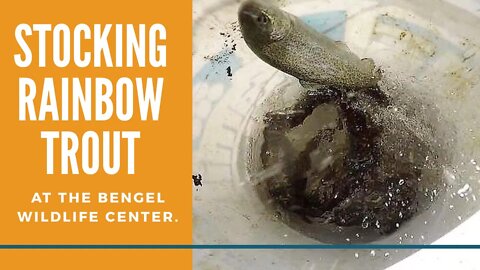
{"x":288,"y":44}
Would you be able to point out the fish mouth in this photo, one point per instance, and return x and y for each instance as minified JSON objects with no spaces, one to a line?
{"x":249,"y":11}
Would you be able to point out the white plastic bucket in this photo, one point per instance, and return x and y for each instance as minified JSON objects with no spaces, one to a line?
{"x":429,"y":48}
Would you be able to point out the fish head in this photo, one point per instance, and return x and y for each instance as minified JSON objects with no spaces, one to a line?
{"x":262,"y":23}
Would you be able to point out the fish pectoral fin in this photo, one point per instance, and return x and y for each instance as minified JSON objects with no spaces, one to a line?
{"x":342,"y":45}
{"x":308,"y":85}
{"x":369,"y":64}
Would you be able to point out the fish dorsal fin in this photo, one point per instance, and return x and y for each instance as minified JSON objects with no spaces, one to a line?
{"x":342,"y":45}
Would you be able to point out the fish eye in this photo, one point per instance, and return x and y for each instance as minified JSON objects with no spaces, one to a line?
{"x":262,"y":19}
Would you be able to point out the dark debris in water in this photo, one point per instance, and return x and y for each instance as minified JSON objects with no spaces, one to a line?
{"x":229,"y":71}
{"x":229,"y":45}
{"x":197,"y":180}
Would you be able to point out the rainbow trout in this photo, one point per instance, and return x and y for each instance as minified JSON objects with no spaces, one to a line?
{"x":288,"y":44}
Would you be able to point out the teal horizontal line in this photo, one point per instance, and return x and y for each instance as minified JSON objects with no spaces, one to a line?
{"x":324,"y":246}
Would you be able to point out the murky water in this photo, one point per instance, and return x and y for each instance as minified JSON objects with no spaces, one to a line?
{"x":340,"y":165}
{"x":431,"y":61}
